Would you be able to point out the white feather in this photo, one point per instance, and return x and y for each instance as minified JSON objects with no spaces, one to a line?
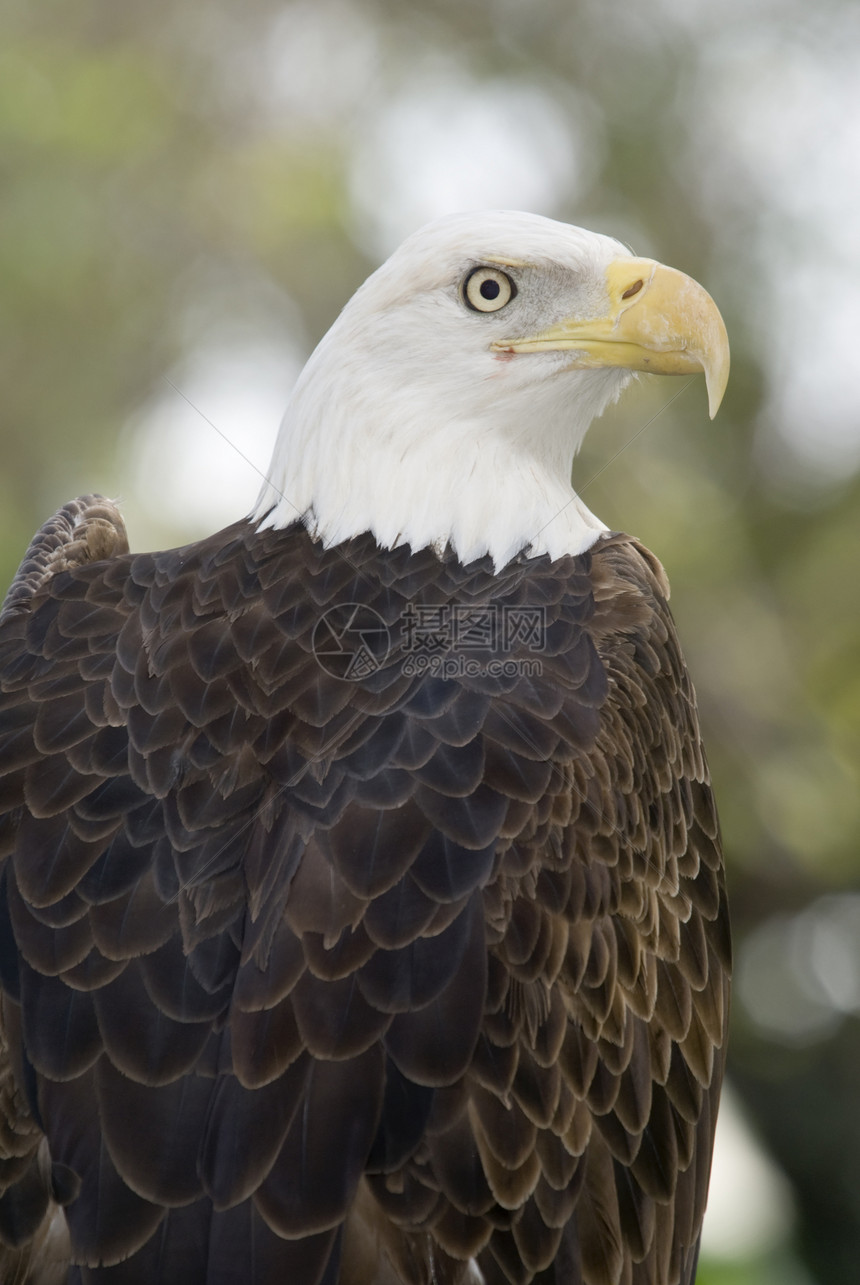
{"x":406,"y":423}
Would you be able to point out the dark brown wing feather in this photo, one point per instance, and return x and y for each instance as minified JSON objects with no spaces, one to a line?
{"x":87,"y":529}
{"x":358,"y":975}
{"x":34,"y":1243}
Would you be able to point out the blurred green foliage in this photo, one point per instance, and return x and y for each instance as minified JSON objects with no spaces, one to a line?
{"x":167,"y":170}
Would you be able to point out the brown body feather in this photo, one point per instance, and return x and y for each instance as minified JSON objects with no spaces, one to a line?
{"x":396,"y":978}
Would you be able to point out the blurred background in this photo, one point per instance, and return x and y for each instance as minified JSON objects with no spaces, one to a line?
{"x":189,"y":193}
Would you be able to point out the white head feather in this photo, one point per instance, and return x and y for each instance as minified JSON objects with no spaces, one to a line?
{"x":406,"y":423}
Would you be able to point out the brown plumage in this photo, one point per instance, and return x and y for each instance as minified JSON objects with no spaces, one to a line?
{"x":385,"y":979}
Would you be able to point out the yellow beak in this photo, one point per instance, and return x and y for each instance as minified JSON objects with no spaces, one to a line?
{"x":658,"y":320}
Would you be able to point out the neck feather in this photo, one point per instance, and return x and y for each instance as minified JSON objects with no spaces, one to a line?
{"x":357,"y":453}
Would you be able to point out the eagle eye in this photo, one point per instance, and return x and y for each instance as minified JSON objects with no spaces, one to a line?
{"x":488,"y":289}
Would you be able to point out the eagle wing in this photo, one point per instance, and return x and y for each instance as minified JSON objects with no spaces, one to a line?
{"x":379,"y":974}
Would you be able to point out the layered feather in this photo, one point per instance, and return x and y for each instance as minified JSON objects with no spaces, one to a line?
{"x":384,"y":976}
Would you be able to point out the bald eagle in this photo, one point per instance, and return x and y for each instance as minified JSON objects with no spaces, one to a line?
{"x":362,"y":912}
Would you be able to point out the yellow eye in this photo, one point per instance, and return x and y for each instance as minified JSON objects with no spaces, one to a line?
{"x":488,"y":289}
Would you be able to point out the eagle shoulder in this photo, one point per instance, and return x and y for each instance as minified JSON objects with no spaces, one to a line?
{"x":87,"y":529}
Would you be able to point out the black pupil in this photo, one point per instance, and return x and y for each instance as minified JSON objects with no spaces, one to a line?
{"x":490,"y":289}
